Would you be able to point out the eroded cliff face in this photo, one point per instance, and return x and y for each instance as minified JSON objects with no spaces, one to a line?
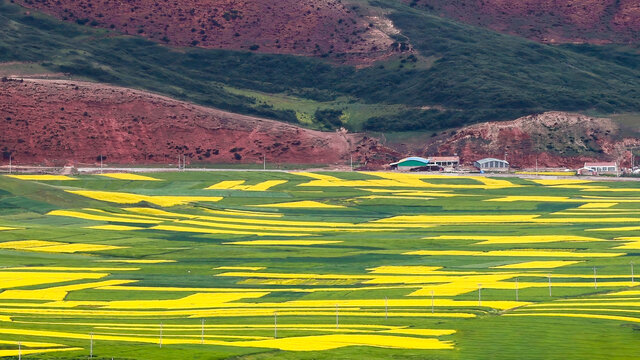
{"x":552,"y":21}
{"x":54,"y":122}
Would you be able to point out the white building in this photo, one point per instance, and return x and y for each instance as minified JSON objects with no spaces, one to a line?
{"x":602,"y":167}
{"x":445,"y":161}
{"x":491,"y":164}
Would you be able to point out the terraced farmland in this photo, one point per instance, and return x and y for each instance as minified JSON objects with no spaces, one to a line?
{"x":256,"y":265}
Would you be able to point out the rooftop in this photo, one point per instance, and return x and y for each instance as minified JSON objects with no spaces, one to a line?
{"x":444,"y":158}
{"x":602,"y":163}
{"x":412,"y":158}
{"x":486,"y":160}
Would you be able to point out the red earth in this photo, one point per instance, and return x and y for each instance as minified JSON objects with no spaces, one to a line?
{"x":57,"y":122}
{"x":325,"y":28}
{"x":554,"y":139}
{"x":552,"y":21}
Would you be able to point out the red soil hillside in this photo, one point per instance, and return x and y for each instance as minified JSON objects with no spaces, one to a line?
{"x":57,"y":122}
{"x":556,"y":139}
{"x":303,"y":27}
{"x":553,"y":21}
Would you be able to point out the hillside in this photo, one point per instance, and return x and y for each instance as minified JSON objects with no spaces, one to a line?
{"x":454,"y":75}
{"x":555,"y":139}
{"x":551,"y":21}
{"x":311,"y":27}
{"x":56,"y":122}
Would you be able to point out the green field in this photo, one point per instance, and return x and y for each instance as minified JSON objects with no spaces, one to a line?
{"x":350,"y":265}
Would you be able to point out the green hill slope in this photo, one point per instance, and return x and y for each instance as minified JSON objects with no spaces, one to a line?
{"x":457,"y":74}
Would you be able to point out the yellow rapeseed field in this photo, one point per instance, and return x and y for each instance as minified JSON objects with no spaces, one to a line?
{"x":128,"y":198}
{"x":73,"y":248}
{"x":516,"y":239}
{"x":238,"y":185}
{"x":421,"y":332}
{"x":226,"y":185}
{"x":458,"y":219}
{"x":633,"y":242}
{"x":58,"y":293}
{"x":302,"y":343}
{"x":391,"y":180}
{"x":622,"y":228}
{"x":85,"y":216}
{"x":24,"y":352}
{"x":12,"y":279}
{"x":202,"y":300}
{"x":42,"y":177}
{"x":587,"y":316}
{"x":302,"y":204}
{"x":537,"y":265}
{"x":328,"y":342}
{"x":223,"y":231}
{"x":283,"y":242}
{"x":597,"y":205}
{"x":507,"y":253}
{"x":389,"y":269}
{"x":129,"y":176}
{"x":25,"y":244}
{"x":55,"y":247}
{"x":114,"y":227}
{"x":243,"y":213}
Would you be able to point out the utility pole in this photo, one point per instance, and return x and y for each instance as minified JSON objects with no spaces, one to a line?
{"x":19,"y":350}
{"x":549,"y":276}
{"x":432,"y":305}
{"x":351,"y":162}
{"x":179,"y":161}
{"x":264,"y":162}
{"x":386,"y":308}
{"x":516,"y":289}
{"x":90,"y":345}
{"x":202,"y":333}
{"x":479,"y":294}
{"x":595,"y":278}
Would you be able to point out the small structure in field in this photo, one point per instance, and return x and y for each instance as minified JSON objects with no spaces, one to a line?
{"x":585,"y":172}
{"x":491,"y":164}
{"x":409,"y":163}
{"x":446,"y":161}
{"x":610,"y":167}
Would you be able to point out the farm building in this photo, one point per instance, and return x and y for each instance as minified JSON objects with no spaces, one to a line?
{"x":602,"y":167}
{"x":491,"y":164}
{"x":409,"y":163}
{"x":445,"y":161}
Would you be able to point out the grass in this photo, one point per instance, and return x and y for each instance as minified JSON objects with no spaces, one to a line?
{"x":340,"y":273}
{"x":461,"y":74}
